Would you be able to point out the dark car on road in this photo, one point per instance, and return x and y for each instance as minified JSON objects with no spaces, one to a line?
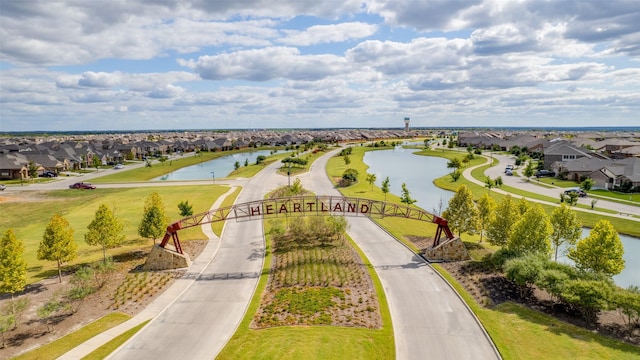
{"x":82,"y":185}
{"x":545,"y":173}
{"x":48,"y":174}
{"x":577,"y":191}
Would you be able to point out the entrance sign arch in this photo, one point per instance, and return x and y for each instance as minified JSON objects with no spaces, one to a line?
{"x":297,"y":206}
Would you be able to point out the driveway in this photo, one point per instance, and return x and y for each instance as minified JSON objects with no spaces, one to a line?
{"x":552,"y":192}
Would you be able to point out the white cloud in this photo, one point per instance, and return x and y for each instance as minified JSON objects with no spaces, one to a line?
{"x":328,"y":33}
{"x":266,"y":64}
{"x":136,"y":64}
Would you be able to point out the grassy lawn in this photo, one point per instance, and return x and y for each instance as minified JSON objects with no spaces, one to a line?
{"x":29,"y":219}
{"x":310,"y":342}
{"x":297,"y":170}
{"x":252,"y":169}
{"x":58,"y":347}
{"x":518,"y":332}
{"x":522,"y":333}
{"x":106,"y":349}
{"x":158,"y":169}
{"x":628,"y":227}
{"x":228,"y":201}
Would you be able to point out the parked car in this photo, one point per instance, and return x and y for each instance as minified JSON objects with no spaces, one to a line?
{"x":509,"y":168}
{"x":578,"y":191}
{"x":2,"y":187}
{"x":545,"y":173}
{"x":48,"y":174}
{"x":118,"y":166}
{"x":82,"y":185}
{"x":509,"y":172}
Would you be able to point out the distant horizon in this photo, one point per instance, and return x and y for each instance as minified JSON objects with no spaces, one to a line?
{"x":524,"y":128}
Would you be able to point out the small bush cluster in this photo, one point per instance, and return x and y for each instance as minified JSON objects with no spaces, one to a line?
{"x":587,"y":293}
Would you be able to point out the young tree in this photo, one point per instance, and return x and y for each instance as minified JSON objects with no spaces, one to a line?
{"x":601,"y":251}
{"x":498,"y":181}
{"x":95,"y":161}
{"x":154,"y":219}
{"x":405,"y":197}
{"x":371,"y":178}
{"x":587,"y":184}
{"x":13,"y":268}
{"x":455,"y":163}
{"x":236,"y":165}
{"x":462,"y":214}
{"x":566,"y":228}
{"x":500,"y":228}
{"x":486,"y":213}
{"x":531,"y":233}
{"x":489,"y":183}
{"x":185,"y":208}
{"x":347,"y":160}
{"x":105,"y":230}
{"x":528,"y":170}
{"x":455,"y":175}
{"x":246,"y":162}
{"x":385,"y":187}
{"x":523,"y":206}
{"x":57,"y":243}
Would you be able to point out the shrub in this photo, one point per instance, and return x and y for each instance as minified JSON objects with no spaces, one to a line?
{"x":349,"y":177}
{"x":589,"y":297}
{"x":524,"y":271}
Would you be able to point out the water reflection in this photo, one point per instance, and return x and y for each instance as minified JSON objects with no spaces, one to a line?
{"x":220,"y":167}
{"x":418,"y":172}
{"x":631,"y":273}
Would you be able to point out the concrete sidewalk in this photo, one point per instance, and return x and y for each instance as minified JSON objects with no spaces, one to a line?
{"x":164,"y":300}
{"x":519,"y":183}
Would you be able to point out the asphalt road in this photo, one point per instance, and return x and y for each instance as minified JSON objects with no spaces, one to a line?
{"x":429,"y":318}
{"x":203,"y":318}
{"x":553,"y":192}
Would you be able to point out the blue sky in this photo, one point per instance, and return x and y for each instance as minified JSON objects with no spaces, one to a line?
{"x":198,"y":64}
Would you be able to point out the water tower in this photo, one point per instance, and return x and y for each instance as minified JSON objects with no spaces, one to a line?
{"x":406,"y":124}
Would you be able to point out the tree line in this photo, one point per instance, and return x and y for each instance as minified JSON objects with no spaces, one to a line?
{"x":58,"y":245}
{"x":530,"y":241}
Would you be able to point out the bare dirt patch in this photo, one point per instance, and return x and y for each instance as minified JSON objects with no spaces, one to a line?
{"x":113,"y":296}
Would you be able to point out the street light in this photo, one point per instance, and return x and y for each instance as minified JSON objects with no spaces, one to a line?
{"x":213,"y":176}
{"x":289,"y":174}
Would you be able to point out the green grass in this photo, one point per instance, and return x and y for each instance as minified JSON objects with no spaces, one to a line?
{"x":29,"y":219}
{"x":106,"y":349}
{"x":623,"y":226}
{"x":58,"y":347}
{"x":310,"y":342}
{"x":628,"y":198}
{"x":228,"y":201}
{"x":252,"y":169}
{"x":295,"y":170}
{"x":518,"y":332}
{"x":522,"y":333}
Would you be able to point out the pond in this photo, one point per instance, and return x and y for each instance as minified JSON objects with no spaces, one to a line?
{"x":219,"y":168}
{"x":418,"y":172}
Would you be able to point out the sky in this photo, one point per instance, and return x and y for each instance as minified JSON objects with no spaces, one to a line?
{"x":73,"y":65}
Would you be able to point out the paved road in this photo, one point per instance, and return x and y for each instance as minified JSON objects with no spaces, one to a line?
{"x":203,"y":318}
{"x":429,"y":319}
{"x":521,"y":183}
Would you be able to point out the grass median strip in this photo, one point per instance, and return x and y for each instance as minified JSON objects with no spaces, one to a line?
{"x":59,"y":347}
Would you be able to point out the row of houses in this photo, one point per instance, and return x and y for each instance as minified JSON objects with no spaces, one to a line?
{"x":611,"y":162}
{"x":64,"y":153}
